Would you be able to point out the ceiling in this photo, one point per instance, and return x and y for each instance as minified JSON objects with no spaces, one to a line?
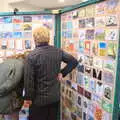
{"x":47,"y":4}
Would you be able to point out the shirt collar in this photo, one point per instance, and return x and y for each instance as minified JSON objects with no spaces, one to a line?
{"x":42,"y":44}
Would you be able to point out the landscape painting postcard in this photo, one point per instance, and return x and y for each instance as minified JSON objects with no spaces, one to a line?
{"x":100,"y":34}
{"x":100,"y":21}
{"x":88,"y":60}
{"x":7,"y":19}
{"x":27,"y":27}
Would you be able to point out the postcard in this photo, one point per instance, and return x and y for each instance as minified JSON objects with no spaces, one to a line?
{"x":4,"y":44}
{"x":102,"y":48}
{"x":90,"y":11}
{"x":108,"y":77}
{"x":107,"y":116}
{"x":80,"y":90}
{"x":97,"y":74}
{"x":112,"y":50}
{"x":7,"y":35}
{"x":84,"y":116}
{"x":7,"y":19}
{"x":82,"y":12}
{"x":17,"y":19}
{"x":74,"y":86}
{"x":112,"y":34}
{"x":87,"y":46}
{"x":88,"y":95}
{"x":80,"y":68}
{"x":95,"y":48}
{"x":19,"y":44}
{"x":8,"y":27}
{"x":82,"y":23}
{"x":27,"y":44}
{"x":79,"y":112}
{"x":17,"y":27}
{"x":80,"y":58}
{"x":88,"y":60}
{"x":90,"y":34}
{"x":109,"y":64}
{"x":79,"y":100}
{"x":75,"y":14}
{"x":11,"y":44}
{"x":82,"y":35}
{"x":27,"y":34}
{"x":27,"y":27}
{"x":86,"y":82}
{"x":27,"y":18}
{"x":98,"y":113}
{"x":111,"y":20}
{"x":97,"y":62}
{"x":75,"y":24}
{"x":100,"y":21}
{"x":108,"y":92}
{"x":93,"y":85}
{"x":90,"y":22}
{"x":99,"y":89}
{"x":88,"y":70}
{"x":69,"y":25}
{"x":81,"y":46}
{"x":80,"y":78}
{"x":1,"y":20}
{"x":100,"y":34}
{"x":17,"y":35}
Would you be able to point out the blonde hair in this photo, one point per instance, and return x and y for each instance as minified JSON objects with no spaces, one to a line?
{"x":41,"y":35}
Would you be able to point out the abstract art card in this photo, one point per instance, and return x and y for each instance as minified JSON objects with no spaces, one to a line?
{"x":82,"y":23}
{"x":97,"y":74}
{"x":99,"y":34}
{"x":97,"y":62}
{"x":87,"y":46}
{"x":90,"y":11}
{"x":19,"y":44}
{"x":17,"y":35}
{"x":4,"y":44}
{"x":90,"y":34}
{"x":82,"y":35}
{"x":80,"y":78}
{"x":100,"y":8}
{"x":99,"y":89}
{"x":82,"y":12}
{"x":7,"y":35}
{"x":98,"y":113}
{"x":88,"y":70}
{"x":11,"y":44}
{"x":90,"y":22}
{"x":17,"y":19}
{"x":108,"y":92}
{"x":112,"y":34}
{"x":27,"y":18}
{"x":111,"y":20}
{"x":112,"y":50}
{"x":27,"y":44}
{"x":81,"y":46}
{"x":108,"y":77}
{"x":27,"y":34}
{"x":17,"y":27}
{"x":2,"y":53}
{"x":88,"y":60}
{"x":86,"y":82}
{"x":27,"y":27}
{"x":7,"y":19}
{"x":9,"y":53}
{"x":100,"y":21}
{"x":95,"y":48}
{"x":102,"y":48}
{"x":109,"y":64}
{"x":92,"y":85}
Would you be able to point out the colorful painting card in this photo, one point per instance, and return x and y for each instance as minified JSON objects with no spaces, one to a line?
{"x":111,"y":20}
{"x":27,"y":27}
{"x":97,"y":62}
{"x":100,"y":34}
{"x":17,"y":27}
{"x":98,"y":113}
{"x":1,"y":20}
{"x":108,"y":92}
{"x":88,"y":70}
{"x":87,"y":46}
{"x":108,"y":77}
{"x":99,"y":89}
{"x":82,"y":34}
{"x":92,"y":85}
{"x":7,"y":35}
{"x":88,"y":95}
{"x":102,"y":48}
{"x":75,"y":24}
{"x":17,"y":35}
{"x":69,"y":25}
{"x":17,"y":19}
{"x":81,"y":46}
{"x":112,"y":50}
{"x":19,"y":44}
{"x":80,"y":90}
{"x":112,"y":34}
{"x":7,"y":19}
{"x":81,"y":12}
{"x":27,"y":18}
{"x":27,"y":44}
{"x":95,"y":48}
{"x":86,"y":82}
{"x":80,"y":78}
{"x":90,"y":34}
{"x":97,"y":74}
{"x":109,"y":64}
{"x":90,"y":22}
{"x":100,"y":21}
{"x":82,"y":23}
{"x":4,"y":44}
{"x":88,"y":60}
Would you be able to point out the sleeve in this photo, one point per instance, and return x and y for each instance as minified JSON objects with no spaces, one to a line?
{"x":29,"y":77}
{"x":70,"y":61}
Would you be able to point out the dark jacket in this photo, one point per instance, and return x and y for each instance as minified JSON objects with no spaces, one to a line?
{"x":11,"y":85}
{"x":41,"y":70}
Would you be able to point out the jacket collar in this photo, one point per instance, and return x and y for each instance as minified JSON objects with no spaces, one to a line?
{"x":42,"y":44}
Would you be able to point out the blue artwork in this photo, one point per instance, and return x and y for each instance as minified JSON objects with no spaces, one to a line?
{"x":102,"y":45}
{"x":17,"y":35}
{"x":7,"y":35}
{"x":7,"y":19}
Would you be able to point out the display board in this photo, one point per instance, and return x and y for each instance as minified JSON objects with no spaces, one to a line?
{"x":91,"y":34}
{"x":16,"y":32}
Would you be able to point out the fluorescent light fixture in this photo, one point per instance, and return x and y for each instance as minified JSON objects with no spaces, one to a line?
{"x":61,"y":1}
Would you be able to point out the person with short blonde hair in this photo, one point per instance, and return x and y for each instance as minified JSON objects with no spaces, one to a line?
{"x":43,"y":75}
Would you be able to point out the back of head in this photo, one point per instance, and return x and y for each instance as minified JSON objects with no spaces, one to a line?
{"x":41,"y":35}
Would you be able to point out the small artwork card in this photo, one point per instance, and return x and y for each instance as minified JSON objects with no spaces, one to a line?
{"x":7,"y":19}
{"x":1,"y":20}
{"x":109,"y":64}
{"x":87,"y":48}
{"x":88,"y":95}
{"x":81,"y":59}
{"x":108,"y":92}
{"x":19,"y":44}
{"x":75,"y":14}
{"x":99,"y":34}
{"x":90,"y":11}
{"x":90,"y":34}
{"x":81,"y":12}
{"x":81,"y":46}
{"x":82,"y":35}
{"x":112,"y":50}
{"x":111,"y":34}
{"x":98,"y":113}
{"x":80,"y":68}
{"x":69,"y":25}
{"x":27,"y":27}
{"x":88,"y":60}
{"x":79,"y":112}
{"x":79,"y":100}
{"x":27,"y":44}
{"x":11,"y":44}
{"x":27,"y":34}
{"x":17,"y":27}
{"x":7,"y":35}
{"x":99,"y":89}
{"x":86,"y":82}
{"x":80,"y":90}
{"x":99,"y":21}
{"x":88,"y":70}
{"x":97,"y":62}
{"x":90,"y":22}
{"x":7,"y":27}
{"x":97,"y":74}
{"x":93,"y":85}
{"x":4,"y":44}
{"x":95,"y":49}
{"x":27,"y":18}
{"x":108,"y":77}
{"x":102,"y":48}
{"x":17,"y":35}
{"x":82,"y":23}
{"x":17,"y":19}
{"x":80,"y":78}
{"x":112,"y":20}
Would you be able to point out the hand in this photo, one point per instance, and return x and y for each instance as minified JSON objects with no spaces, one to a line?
{"x":60,"y":77}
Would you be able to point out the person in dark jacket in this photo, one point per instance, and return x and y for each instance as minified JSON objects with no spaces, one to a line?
{"x":42,"y":74}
